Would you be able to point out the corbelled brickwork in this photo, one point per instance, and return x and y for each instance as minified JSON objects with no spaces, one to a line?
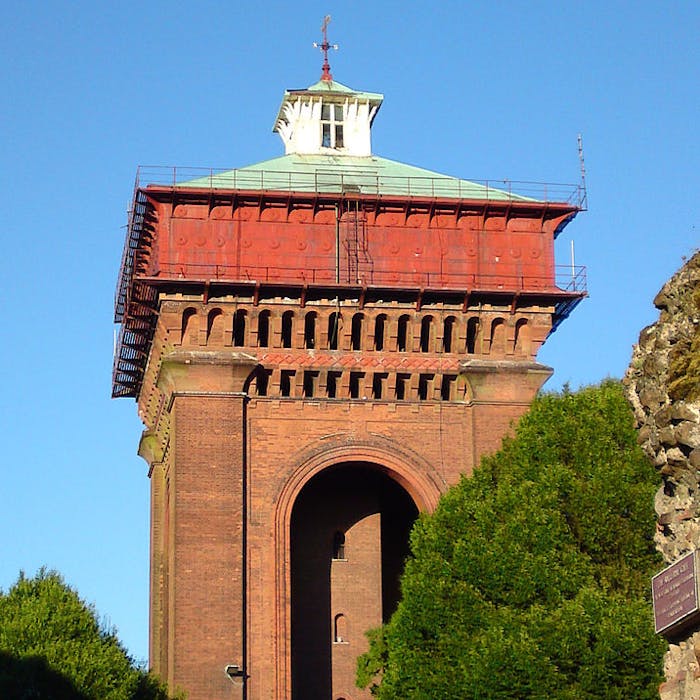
{"x":243,"y":418}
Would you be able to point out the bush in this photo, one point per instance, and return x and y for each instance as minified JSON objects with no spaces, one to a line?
{"x":531,"y":579}
{"x":53,"y":646}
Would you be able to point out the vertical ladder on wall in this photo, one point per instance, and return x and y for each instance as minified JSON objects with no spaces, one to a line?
{"x":357,"y":268}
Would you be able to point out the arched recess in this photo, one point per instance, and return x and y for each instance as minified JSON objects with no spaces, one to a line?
{"x":358,"y":321}
{"x":334,"y":601}
{"x":310,"y":330}
{"x":264,"y":328}
{"x":190,"y":327}
{"x":403,"y":334}
{"x":215,"y":327}
{"x":522,"y":337}
{"x":240,"y":336}
{"x":426,"y":334}
{"x":473,"y":343}
{"x":287,"y":329}
{"x":380,"y":323}
{"x":335,"y":324}
{"x":449,"y":325}
{"x":410,"y":472}
{"x":498,"y":337}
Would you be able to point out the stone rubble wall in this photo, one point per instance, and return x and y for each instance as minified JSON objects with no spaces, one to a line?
{"x":662,"y":386}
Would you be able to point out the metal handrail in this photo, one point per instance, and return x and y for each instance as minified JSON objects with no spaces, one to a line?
{"x":358,"y":180}
{"x":565,"y":279}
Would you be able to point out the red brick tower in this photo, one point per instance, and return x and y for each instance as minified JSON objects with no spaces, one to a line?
{"x":320,"y":345}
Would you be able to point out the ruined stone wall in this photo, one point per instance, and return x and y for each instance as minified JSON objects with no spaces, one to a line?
{"x":663,"y":384}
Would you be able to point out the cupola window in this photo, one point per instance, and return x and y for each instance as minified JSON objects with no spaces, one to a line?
{"x":332,"y":126}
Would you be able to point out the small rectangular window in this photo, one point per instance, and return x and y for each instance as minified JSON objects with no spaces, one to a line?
{"x":402,"y":385}
{"x":447,"y":387}
{"x":355,"y":382}
{"x":262,"y":381}
{"x":310,"y":379}
{"x":378,"y":383}
{"x":332,"y":384}
{"x":326,"y":141}
{"x":425,"y":385}
{"x":286,"y":376}
{"x":338,"y":135}
{"x":326,"y":113}
{"x":338,"y":112}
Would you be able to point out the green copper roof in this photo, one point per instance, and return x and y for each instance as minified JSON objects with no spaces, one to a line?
{"x":364,"y":175}
{"x":332,"y":86}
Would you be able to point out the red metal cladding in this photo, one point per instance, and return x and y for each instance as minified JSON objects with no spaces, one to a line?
{"x":488,"y":248}
{"x":479,"y":249}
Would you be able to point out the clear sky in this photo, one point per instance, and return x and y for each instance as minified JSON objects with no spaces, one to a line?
{"x":478,"y":90}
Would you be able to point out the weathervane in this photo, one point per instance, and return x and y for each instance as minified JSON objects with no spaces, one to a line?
{"x":326,"y":74}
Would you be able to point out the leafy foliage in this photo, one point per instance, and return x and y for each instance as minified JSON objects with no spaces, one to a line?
{"x":53,"y":646}
{"x":531,"y":578}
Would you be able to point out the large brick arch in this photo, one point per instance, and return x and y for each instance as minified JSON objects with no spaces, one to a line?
{"x":414,"y":474}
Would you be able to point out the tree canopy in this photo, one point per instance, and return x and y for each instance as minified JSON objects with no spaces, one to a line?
{"x":531,"y":579}
{"x":52,"y":645}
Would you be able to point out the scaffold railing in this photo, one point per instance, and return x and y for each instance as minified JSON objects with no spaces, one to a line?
{"x":565,"y":279}
{"x":359,"y":181}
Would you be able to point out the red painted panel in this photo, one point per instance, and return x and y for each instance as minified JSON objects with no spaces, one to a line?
{"x":269,"y":245}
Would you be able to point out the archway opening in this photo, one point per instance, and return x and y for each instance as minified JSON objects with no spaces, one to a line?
{"x":356,"y":510}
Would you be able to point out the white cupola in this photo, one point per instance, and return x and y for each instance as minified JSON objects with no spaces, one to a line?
{"x":327,"y":118}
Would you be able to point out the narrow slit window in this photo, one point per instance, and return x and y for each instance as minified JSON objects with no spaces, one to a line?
{"x":332,"y":384}
{"x":402,"y":335}
{"x":472,"y":330}
{"x":310,"y":382}
{"x":425,"y":330}
{"x":310,"y":330}
{"x":239,"y":319}
{"x":340,"y":635}
{"x":339,"y":545}
{"x":356,"y":339}
{"x":379,"y":328}
{"x":425,"y":383}
{"x":379,"y":381}
{"x":333,"y":322}
{"x":447,"y":333}
{"x":356,"y":384}
{"x":264,"y":329}
{"x":447,"y":387}
{"x":402,"y":386}
{"x":286,"y":382}
{"x":262,"y":382}
{"x":287,"y":318}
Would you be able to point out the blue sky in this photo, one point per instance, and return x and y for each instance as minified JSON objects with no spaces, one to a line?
{"x":476,"y":90}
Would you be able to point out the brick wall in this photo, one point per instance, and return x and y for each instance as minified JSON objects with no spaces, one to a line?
{"x":232,"y":454}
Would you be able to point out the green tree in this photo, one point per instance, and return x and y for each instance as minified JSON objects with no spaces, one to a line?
{"x":531,"y":579}
{"x":52,"y":645}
